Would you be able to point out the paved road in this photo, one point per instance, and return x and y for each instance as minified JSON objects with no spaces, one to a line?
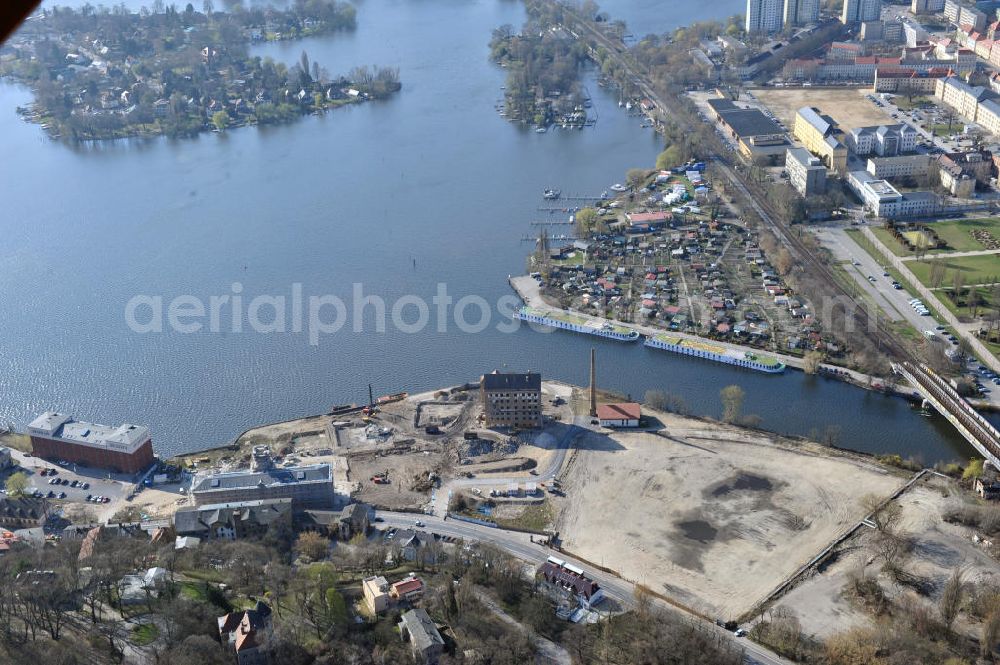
{"x":520,"y":545}
{"x":894,"y":302}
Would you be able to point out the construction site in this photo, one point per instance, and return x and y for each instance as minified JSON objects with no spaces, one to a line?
{"x":397,"y":450}
{"x":712,"y":516}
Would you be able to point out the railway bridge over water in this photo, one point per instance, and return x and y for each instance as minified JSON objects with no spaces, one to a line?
{"x":937,"y":392}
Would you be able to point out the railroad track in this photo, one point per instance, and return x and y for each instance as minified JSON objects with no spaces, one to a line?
{"x":862,"y":319}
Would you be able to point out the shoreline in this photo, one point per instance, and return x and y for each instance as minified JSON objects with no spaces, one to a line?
{"x":244,"y":440}
{"x":523,"y":286}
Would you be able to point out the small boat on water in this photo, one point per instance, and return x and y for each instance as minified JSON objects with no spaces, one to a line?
{"x":540,"y":130}
{"x":628,"y":106}
{"x":551,"y":194}
{"x":618,"y":187}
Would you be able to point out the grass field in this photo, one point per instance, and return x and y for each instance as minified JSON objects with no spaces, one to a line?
{"x":887,"y":239}
{"x":958,"y":233}
{"x":903,"y":102}
{"x":983,"y":269}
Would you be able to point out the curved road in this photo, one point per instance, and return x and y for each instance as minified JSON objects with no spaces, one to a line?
{"x":520,"y":545}
{"x":442,"y":496}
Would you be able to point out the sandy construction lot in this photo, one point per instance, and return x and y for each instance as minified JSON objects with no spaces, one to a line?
{"x":711,"y":516}
{"x":847,"y":106}
{"x":938,"y":548}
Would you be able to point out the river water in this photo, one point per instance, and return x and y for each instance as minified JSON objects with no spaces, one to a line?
{"x":431,"y":187}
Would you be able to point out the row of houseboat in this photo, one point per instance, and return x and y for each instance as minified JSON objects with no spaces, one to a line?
{"x":580,"y":324}
{"x":688,"y":347}
{"x":721,"y":354}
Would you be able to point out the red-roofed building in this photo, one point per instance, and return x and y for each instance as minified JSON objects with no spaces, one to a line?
{"x":622,"y":414}
{"x":247,"y":633}
{"x":572,"y":580}
{"x":648,"y":217}
{"x":411,"y":589}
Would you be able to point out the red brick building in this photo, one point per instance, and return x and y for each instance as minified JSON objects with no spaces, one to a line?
{"x":123,"y":449}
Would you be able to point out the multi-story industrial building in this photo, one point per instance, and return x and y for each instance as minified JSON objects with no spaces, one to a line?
{"x":819,"y":135}
{"x":307,"y":486}
{"x":859,"y":11}
{"x":801,"y":12}
{"x":764,"y":16}
{"x":806,"y":173}
{"x":512,"y":400}
{"x":123,"y":449}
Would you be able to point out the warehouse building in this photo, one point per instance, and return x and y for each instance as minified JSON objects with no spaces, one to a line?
{"x":123,"y":449}
{"x":756,"y":135}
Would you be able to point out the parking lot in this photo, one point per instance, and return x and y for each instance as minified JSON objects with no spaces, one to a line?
{"x":56,"y":483}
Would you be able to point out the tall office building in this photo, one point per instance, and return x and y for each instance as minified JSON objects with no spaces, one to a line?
{"x":801,"y":12}
{"x":859,"y":11}
{"x":764,"y":16}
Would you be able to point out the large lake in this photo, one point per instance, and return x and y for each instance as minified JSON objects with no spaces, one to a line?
{"x":431,"y":187}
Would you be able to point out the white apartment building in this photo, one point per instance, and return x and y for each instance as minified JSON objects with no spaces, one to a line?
{"x":764,"y":16}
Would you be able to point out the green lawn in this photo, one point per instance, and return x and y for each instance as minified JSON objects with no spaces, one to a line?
{"x":144,"y":633}
{"x":194,"y":591}
{"x":942,"y":129}
{"x":883,"y":234}
{"x":535,"y":517}
{"x":903,"y":102}
{"x":958,"y":233}
{"x":983,"y":269}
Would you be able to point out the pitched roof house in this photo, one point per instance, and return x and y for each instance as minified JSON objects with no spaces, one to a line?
{"x":425,"y":640}
{"x":248,"y":633}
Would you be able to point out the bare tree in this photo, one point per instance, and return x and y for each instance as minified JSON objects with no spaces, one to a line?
{"x":951,"y":597}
